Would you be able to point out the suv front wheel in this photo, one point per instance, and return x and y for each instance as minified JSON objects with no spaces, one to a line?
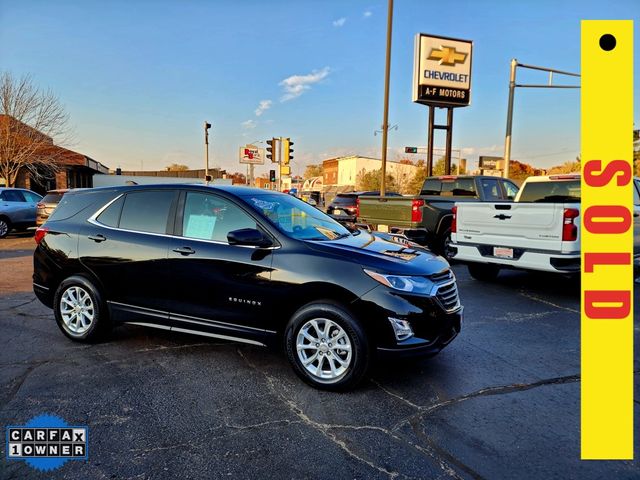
{"x":327,"y":346}
{"x":79,"y":310}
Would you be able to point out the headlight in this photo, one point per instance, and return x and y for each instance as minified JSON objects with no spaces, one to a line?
{"x":403,"y":283}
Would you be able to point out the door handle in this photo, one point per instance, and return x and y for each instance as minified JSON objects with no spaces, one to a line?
{"x":97,"y":238}
{"x":184,"y":250}
{"x":636,"y":214}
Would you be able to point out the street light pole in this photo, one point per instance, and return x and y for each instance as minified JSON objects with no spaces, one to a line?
{"x":507,"y":138}
{"x":385,"y":119}
{"x":207,"y":126}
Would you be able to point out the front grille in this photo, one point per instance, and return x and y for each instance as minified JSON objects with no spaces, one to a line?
{"x":441,"y":277}
{"x":447,"y":295}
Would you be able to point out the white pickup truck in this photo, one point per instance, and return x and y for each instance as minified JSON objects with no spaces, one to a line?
{"x":539,"y":230}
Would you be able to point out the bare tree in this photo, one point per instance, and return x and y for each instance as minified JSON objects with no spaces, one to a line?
{"x":31,"y":120}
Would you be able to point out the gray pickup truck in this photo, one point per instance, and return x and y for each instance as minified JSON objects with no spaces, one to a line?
{"x":426,"y":218}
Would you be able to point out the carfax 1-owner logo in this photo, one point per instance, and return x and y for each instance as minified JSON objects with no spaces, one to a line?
{"x":46,"y":442}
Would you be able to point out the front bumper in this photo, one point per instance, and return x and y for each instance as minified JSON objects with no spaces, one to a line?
{"x":433,"y":327}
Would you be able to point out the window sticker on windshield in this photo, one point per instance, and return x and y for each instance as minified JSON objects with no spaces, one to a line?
{"x":200,"y":226}
{"x":263,"y":204}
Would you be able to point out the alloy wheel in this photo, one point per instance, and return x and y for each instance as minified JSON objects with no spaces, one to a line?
{"x":324,"y":349}
{"x":77,"y":310}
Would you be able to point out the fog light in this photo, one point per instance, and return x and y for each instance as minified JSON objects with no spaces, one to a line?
{"x":401,"y":329}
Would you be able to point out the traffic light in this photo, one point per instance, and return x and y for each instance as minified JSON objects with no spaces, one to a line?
{"x":410,"y":149}
{"x":271,"y":150}
{"x":287,"y":151}
{"x":272,"y":176}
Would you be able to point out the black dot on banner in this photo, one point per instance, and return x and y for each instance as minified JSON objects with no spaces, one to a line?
{"x":607,"y":42}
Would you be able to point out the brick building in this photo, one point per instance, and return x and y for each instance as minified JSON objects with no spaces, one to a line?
{"x":73,"y":169}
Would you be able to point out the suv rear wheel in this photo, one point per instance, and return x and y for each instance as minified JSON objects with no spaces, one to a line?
{"x":80,"y":311}
{"x":326,"y":346}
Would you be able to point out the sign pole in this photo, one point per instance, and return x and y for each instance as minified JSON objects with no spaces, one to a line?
{"x":430,"y":141}
{"x":447,"y":153}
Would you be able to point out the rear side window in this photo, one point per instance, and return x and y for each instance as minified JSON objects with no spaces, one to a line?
{"x":52,"y":198}
{"x":31,"y":197}
{"x":557,"y":191}
{"x":74,"y":203}
{"x":147,"y":211}
{"x":459,"y":187}
{"x":111,"y":215}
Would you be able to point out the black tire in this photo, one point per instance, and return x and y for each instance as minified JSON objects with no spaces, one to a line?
{"x":444,"y":241}
{"x":5,"y":227}
{"x":483,"y":271}
{"x":89,"y":303}
{"x":337,"y":315}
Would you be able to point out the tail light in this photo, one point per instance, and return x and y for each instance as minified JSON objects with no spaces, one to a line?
{"x":416,"y":210}
{"x":40,"y":205}
{"x":569,"y":228}
{"x":357,"y":207}
{"x":454,"y":220}
{"x":40,"y":233}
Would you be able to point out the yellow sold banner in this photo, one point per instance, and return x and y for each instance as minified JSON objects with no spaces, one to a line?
{"x":607,"y":240}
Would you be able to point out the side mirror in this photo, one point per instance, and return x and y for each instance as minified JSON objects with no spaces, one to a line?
{"x":248,"y":236}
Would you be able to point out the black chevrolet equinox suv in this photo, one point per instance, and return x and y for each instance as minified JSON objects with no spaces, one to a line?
{"x":246,"y":265}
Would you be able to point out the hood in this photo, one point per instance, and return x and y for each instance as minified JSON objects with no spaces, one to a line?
{"x":384,"y":253}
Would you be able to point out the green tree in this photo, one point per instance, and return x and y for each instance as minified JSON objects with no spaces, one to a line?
{"x":415,"y":185}
{"x":312,"y":171}
{"x":370,"y":180}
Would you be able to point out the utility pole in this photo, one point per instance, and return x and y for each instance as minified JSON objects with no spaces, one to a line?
{"x":207,"y":126}
{"x":279,"y":164}
{"x":512,"y":89}
{"x":385,"y":118}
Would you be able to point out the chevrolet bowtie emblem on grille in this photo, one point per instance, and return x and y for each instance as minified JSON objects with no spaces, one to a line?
{"x":447,"y":56}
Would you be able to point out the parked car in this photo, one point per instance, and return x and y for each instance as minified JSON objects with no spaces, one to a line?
{"x":242,"y":264}
{"x":17,"y":209}
{"x":344,"y":207}
{"x":540,"y":230}
{"x":426,"y":218}
{"x":48,"y":204}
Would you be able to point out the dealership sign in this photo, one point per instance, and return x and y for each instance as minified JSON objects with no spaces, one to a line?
{"x":252,"y":154}
{"x":442,"y":71}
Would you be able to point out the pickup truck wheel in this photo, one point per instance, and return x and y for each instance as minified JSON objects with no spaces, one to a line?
{"x":483,"y":271}
{"x":327,"y":346}
{"x":444,"y":244}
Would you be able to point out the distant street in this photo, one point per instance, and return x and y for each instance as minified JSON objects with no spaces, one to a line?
{"x":502,"y":401}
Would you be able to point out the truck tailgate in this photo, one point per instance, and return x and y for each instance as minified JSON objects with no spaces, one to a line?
{"x":387,"y":210}
{"x":528,"y":225}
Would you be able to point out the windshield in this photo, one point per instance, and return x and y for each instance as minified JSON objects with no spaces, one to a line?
{"x":295,"y":218}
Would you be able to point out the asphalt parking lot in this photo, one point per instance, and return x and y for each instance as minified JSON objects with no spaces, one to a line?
{"x":502,"y":401}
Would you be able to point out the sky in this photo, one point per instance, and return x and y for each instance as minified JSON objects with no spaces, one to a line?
{"x":139,"y":77}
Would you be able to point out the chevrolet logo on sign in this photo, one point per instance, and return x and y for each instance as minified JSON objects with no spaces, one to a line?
{"x":447,"y":55}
